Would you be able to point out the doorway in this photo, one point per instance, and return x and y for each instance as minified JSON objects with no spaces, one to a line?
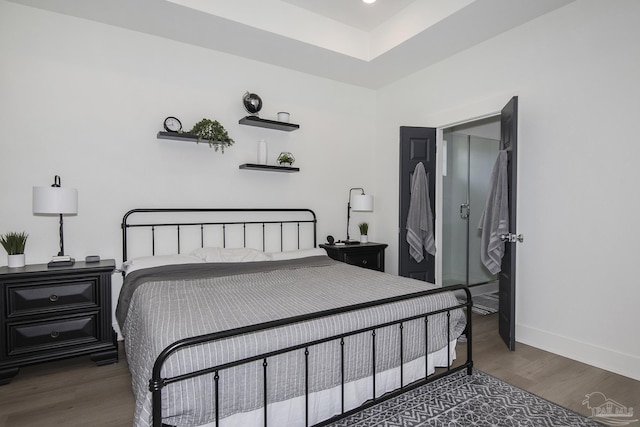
{"x":471,"y":151}
{"x":490,"y":113}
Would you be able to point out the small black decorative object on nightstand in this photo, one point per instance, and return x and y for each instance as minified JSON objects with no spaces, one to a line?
{"x":172,"y":124}
{"x":51,"y":314}
{"x":368,"y":255}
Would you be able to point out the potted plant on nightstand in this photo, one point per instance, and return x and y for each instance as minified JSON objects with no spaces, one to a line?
{"x":364,"y":231}
{"x":14,"y":244}
{"x":212,"y":132}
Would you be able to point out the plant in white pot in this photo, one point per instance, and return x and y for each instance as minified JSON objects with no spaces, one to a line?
{"x":364,"y":232}
{"x":14,"y":244}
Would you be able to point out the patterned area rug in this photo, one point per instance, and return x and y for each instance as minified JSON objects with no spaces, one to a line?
{"x":486,"y":303}
{"x":466,"y":400}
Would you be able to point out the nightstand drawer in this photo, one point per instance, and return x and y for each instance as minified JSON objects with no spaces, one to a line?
{"x":33,"y":299}
{"x":366,"y":260}
{"x":51,"y":334}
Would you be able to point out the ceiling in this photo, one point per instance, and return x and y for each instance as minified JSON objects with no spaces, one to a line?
{"x":354,"y":13}
{"x":369,"y":45}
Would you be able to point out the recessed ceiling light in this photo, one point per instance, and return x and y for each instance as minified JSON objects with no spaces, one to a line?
{"x":369,"y":1}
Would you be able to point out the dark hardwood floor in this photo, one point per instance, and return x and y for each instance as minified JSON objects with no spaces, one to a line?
{"x":75,"y":392}
{"x":555,"y":378}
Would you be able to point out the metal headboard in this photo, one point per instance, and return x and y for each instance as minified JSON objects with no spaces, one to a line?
{"x":208,"y":220}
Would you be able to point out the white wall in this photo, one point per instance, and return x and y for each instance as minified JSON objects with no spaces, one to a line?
{"x":576,"y":74}
{"x":85,"y":101}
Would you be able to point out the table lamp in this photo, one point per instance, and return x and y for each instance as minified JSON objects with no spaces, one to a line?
{"x":362,"y":203}
{"x":56,"y":200}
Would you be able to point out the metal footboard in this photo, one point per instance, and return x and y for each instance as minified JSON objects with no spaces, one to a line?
{"x":158,"y":383}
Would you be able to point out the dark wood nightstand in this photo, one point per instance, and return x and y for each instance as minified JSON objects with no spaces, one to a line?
{"x":367,"y":255}
{"x":54,"y":313}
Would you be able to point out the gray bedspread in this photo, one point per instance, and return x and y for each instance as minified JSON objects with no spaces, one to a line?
{"x":161,"y":305}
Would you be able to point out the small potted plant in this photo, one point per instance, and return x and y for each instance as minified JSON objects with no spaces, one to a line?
{"x":212,"y":132}
{"x":14,"y":244}
{"x":364,"y":231}
{"x":286,"y":159}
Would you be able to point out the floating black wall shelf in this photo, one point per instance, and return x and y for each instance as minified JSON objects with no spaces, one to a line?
{"x":269,"y":124}
{"x":178,"y":136}
{"x":272,"y":168}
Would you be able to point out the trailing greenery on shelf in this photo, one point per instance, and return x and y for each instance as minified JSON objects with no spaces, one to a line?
{"x":213,"y":132}
{"x":14,"y":243}
{"x":364,"y":228}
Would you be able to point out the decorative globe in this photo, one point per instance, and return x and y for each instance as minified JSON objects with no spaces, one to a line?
{"x":252,"y":103}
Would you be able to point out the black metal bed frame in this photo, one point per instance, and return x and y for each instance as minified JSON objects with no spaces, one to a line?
{"x":157,"y":382}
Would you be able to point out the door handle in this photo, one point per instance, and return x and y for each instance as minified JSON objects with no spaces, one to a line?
{"x":464,"y":210}
{"x":512,"y":238}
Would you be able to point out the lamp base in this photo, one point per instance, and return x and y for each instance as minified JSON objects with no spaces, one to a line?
{"x":351,"y":242}
{"x":65,"y":262}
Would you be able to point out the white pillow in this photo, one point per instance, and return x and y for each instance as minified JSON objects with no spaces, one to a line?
{"x":156,"y":261}
{"x":230,"y":255}
{"x":301,"y":253}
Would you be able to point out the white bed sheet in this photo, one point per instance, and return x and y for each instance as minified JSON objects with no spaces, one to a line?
{"x":327,"y":403}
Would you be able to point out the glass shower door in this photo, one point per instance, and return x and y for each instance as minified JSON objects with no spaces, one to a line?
{"x":470,"y":161}
{"x":455,"y":203}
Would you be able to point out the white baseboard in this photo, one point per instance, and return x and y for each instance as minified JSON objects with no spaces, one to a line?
{"x":604,"y":358}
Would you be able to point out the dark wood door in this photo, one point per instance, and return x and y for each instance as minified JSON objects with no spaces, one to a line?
{"x":507,"y":275}
{"x":417,"y":144}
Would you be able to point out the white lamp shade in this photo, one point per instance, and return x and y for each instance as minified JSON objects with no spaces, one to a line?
{"x":55,"y":200}
{"x":362,"y":202}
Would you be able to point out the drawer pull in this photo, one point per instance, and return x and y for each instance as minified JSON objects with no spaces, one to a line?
{"x":53,"y":298}
{"x":55,"y":334}
{"x":364,"y":262}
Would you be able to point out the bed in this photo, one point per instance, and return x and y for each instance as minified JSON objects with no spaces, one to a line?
{"x":233,"y":317}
